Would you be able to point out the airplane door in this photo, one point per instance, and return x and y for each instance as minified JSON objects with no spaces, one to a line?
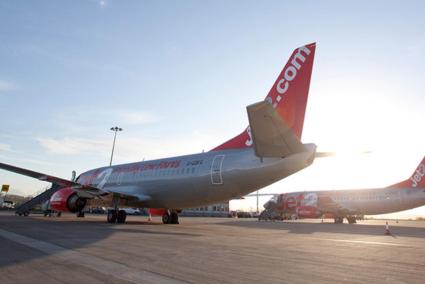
{"x":216,"y":166}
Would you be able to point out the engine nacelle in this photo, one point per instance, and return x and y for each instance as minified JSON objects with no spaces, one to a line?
{"x":67,"y":200}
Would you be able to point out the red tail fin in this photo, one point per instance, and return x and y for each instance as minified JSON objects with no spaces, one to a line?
{"x":288,"y":95}
{"x":416,"y":180}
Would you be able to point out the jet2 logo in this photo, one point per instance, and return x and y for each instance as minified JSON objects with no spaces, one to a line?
{"x":417,"y":177}
{"x":103,"y":177}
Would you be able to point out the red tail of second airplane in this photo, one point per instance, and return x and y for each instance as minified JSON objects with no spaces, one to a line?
{"x":416,"y":180}
{"x":288,"y":95}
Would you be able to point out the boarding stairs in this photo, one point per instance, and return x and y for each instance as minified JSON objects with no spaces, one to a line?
{"x":25,"y":208}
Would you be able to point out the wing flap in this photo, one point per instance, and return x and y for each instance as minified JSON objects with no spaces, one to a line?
{"x":128,"y":192}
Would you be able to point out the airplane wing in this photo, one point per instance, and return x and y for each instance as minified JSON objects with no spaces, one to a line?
{"x":328,"y":205}
{"x":271,"y":135}
{"x":87,"y":191}
{"x":81,"y":189}
{"x":128,"y":192}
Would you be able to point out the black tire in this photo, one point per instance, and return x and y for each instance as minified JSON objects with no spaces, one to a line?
{"x":174,"y":218}
{"x":351,"y":219}
{"x":166,"y":219}
{"x":112,"y":216}
{"x":122,"y":215}
{"x":339,"y":220}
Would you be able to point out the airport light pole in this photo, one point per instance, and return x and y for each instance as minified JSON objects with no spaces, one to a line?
{"x":115,"y":129}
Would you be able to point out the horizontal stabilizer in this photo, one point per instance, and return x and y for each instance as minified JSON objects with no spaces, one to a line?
{"x":272,"y":137}
{"x":325,"y":154}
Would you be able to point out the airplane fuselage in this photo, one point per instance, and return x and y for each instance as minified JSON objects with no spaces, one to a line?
{"x":349,"y":202}
{"x":378,"y":200}
{"x":194,"y":180}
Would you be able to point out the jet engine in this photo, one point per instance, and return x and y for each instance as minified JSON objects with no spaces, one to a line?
{"x":66,"y":199}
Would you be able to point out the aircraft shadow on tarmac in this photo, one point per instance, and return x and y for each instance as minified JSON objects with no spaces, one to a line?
{"x":69,"y":234}
{"x":351,"y":229}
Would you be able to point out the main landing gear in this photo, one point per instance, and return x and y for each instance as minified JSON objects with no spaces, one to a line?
{"x":170,"y":217}
{"x":350,"y":219}
{"x":338,"y":220}
{"x":115,"y":215}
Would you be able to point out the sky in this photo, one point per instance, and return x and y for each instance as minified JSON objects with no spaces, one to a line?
{"x":177,"y":76}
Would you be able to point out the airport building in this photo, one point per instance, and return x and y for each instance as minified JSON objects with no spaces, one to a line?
{"x":213,"y":210}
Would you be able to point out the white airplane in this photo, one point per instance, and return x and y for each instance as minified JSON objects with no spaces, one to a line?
{"x":348,"y":204}
{"x":268,"y":150}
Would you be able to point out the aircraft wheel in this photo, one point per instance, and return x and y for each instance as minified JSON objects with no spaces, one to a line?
{"x":166,"y":218}
{"x":339,"y":220}
{"x":112,"y":216}
{"x":351,"y":219}
{"x":174,"y":218}
{"x":122,"y":215}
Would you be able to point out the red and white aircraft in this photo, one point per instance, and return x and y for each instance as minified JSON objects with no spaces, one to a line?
{"x":348,"y":204}
{"x":265,"y":152}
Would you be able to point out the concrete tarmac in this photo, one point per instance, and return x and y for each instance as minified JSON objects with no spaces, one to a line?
{"x":38,"y":249}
